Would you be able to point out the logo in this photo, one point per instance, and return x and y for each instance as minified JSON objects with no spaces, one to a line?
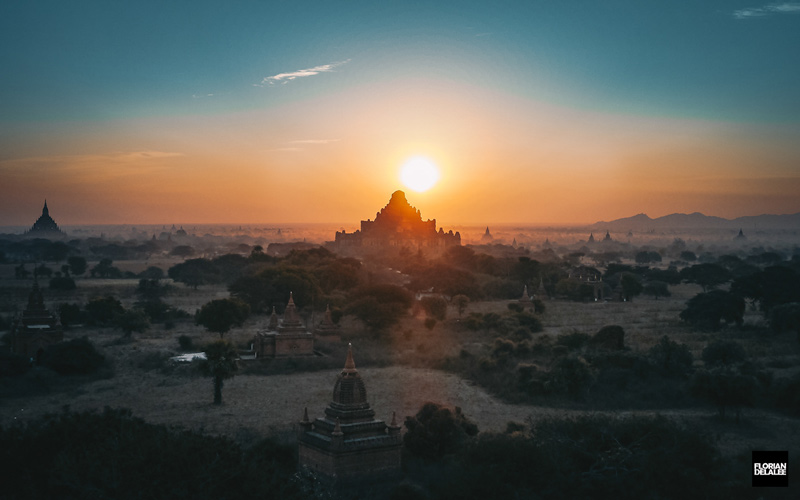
{"x":770,"y":468}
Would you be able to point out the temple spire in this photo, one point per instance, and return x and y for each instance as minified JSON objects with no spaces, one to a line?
{"x":349,"y":364}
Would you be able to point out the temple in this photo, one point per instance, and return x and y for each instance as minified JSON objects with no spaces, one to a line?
{"x":397,"y":225}
{"x":37,"y":329}
{"x":285,"y":339}
{"x":348,"y":443}
{"x":45,"y":225}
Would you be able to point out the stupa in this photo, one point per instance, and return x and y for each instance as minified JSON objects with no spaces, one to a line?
{"x":348,"y":443}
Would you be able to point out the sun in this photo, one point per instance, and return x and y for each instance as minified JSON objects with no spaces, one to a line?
{"x":419,"y":173}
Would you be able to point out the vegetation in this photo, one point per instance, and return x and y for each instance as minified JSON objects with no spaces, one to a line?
{"x":220,"y":315}
{"x":220,"y":364}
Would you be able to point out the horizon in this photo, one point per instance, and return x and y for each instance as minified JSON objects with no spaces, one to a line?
{"x":439,"y":223}
{"x":562,"y":114}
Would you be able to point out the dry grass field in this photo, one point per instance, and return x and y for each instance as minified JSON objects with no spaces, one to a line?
{"x":260,"y":402}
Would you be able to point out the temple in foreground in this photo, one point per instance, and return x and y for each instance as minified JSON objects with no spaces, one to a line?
{"x":397,"y":225}
{"x":348,"y":444}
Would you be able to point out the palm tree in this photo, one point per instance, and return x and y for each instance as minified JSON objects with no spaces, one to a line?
{"x":220,"y":363}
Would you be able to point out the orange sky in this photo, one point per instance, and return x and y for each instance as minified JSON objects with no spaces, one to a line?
{"x":335,"y":157}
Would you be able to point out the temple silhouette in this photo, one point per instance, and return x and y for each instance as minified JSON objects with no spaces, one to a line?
{"x":45,"y":226}
{"x":397,"y":225}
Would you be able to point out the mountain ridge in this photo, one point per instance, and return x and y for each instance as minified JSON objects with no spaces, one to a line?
{"x":697,"y":220}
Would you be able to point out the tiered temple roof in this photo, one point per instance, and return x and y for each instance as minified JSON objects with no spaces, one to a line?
{"x":398,"y":224}
{"x":348,"y":442}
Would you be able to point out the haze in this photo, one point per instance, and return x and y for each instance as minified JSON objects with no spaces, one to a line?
{"x":534,"y":112}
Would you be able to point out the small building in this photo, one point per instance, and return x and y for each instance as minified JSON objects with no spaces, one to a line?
{"x":326,"y":327}
{"x":348,"y":444}
{"x":37,"y":329}
{"x":288,"y":338}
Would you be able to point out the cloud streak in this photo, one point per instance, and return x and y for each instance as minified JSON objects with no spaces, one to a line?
{"x":301,"y":73}
{"x":767,"y":10}
{"x":314,"y":141}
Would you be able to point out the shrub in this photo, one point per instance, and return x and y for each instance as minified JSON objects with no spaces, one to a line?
{"x":185,"y":342}
{"x":64,"y":283}
{"x":725,"y":388}
{"x":571,"y":375}
{"x":436,"y":431}
{"x":723,"y":352}
{"x":610,"y":337}
{"x":671,"y":358}
{"x":573,"y":341}
{"x":74,"y":357}
{"x":12,"y":364}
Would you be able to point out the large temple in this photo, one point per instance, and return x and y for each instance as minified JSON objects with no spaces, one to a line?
{"x":348,"y":443}
{"x":37,"y":329}
{"x":45,"y":226}
{"x":397,"y":225}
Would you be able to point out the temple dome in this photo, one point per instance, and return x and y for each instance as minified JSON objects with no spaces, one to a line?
{"x":349,"y":389}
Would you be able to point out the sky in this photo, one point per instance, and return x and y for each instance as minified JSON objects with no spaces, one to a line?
{"x":535,"y":112}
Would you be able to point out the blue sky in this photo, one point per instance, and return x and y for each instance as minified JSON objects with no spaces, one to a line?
{"x":74,"y":70}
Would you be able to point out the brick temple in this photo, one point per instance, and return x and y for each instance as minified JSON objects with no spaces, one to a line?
{"x":285,"y":338}
{"x":348,"y":444}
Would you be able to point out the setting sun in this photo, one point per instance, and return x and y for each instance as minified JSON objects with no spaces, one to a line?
{"x":419,"y":173}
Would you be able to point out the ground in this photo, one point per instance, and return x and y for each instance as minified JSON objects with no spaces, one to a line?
{"x":264,"y":401}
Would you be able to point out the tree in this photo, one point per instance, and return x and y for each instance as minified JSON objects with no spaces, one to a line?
{"x":435,"y":307}
{"x":725,"y":388}
{"x":380,"y":306}
{"x":631,"y":287}
{"x":707,"y":309}
{"x":220,"y":315}
{"x":132,"y":320}
{"x":182,"y":251}
{"x":220,"y":364}
{"x":436,"y":431}
{"x":194,"y":272}
{"x":77,"y":264}
{"x":656,"y":289}
{"x":460,"y":302}
{"x":670,"y":357}
{"x":103,"y":311}
{"x":724,"y":353}
{"x":104,"y":269}
{"x":786,"y":317}
{"x":706,"y":275}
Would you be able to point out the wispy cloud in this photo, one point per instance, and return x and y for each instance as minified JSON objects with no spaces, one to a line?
{"x":314,"y":141}
{"x":98,"y":164}
{"x":766,"y":10}
{"x":201,"y":96}
{"x":301,"y":73}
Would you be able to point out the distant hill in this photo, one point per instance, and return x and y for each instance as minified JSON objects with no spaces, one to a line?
{"x":697,"y":220}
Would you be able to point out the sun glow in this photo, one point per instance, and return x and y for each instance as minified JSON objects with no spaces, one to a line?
{"x":419,"y":173}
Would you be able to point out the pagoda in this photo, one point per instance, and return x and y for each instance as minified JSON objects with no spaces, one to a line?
{"x":348,"y":443}
{"x":45,"y":226}
{"x":37,"y":329}
{"x":285,"y":339}
{"x":397,"y":225}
